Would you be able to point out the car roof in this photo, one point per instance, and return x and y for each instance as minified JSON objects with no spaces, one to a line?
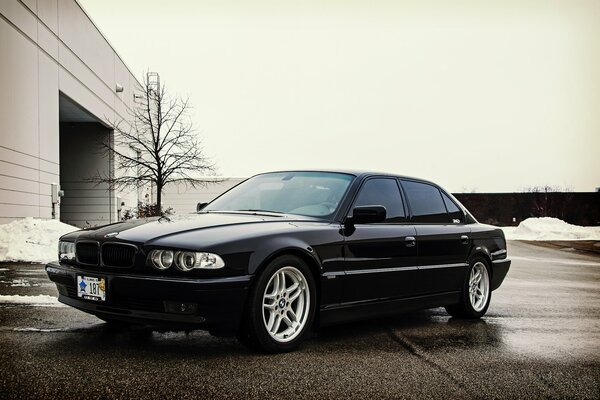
{"x":356,"y":172}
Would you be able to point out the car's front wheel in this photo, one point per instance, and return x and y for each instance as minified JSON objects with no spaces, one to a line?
{"x":281,"y":306}
{"x":476,"y":293}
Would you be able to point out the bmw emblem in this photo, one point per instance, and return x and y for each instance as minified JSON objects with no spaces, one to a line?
{"x":111,"y":235}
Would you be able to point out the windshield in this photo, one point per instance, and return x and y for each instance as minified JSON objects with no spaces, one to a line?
{"x":314,"y":194}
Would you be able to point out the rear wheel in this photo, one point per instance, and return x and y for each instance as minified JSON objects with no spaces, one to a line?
{"x":281,"y":306}
{"x":476,"y":292}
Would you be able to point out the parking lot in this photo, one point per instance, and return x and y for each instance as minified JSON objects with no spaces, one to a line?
{"x":540,"y":339}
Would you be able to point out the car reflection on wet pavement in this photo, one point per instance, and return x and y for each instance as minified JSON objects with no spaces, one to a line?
{"x":540,"y":339}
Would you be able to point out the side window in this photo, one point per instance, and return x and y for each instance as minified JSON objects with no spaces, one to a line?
{"x":455,"y":213}
{"x":426,"y":202}
{"x":382,"y":192}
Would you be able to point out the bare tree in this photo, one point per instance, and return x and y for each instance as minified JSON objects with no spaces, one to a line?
{"x":550,"y":201}
{"x":157,"y":145}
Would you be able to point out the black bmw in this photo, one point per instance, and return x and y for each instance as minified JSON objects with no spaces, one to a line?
{"x":284,"y":252}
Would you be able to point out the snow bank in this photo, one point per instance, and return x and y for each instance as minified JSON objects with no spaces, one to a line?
{"x":39,"y":300}
{"x":550,"y":229}
{"x":31,"y":240}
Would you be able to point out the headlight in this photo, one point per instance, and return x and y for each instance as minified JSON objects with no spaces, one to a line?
{"x":184,"y":260}
{"x":66,"y":251}
{"x":162,"y":259}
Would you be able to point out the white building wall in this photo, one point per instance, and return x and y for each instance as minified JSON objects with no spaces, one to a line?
{"x":185,"y":199}
{"x":47,"y":47}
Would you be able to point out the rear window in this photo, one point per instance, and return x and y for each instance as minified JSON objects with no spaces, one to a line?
{"x":455,"y":213}
{"x":426,"y":202}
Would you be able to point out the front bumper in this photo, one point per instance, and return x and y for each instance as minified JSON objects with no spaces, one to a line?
{"x":150,"y":299}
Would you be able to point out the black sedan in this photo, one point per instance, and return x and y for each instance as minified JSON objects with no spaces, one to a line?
{"x":285,"y":252}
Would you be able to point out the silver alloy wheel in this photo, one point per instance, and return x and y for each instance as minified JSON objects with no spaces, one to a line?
{"x":286,"y":303}
{"x":479,"y":286}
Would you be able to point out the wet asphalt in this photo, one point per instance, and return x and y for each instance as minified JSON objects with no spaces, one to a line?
{"x":539,"y":339}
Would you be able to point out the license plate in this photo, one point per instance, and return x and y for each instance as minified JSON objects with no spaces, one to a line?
{"x":91,"y":288}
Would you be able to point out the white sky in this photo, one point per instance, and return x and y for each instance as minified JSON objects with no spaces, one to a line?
{"x":474,"y":95}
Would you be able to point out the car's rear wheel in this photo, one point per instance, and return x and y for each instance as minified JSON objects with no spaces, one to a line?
{"x":281,"y":306}
{"x":476,"y":293}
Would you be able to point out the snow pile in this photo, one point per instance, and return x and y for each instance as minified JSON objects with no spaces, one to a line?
{"x":20,"y":283}
{"x":41,"y":300}
{"x":32,"y":240}
{"x":550,"y":229}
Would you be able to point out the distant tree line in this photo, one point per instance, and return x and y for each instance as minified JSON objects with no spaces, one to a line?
{"x":511,"y":208}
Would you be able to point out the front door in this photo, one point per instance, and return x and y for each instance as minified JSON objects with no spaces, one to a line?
{"x":380,"y":259}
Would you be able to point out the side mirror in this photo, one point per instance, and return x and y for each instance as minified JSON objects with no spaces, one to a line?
{"x":200,"y":206}
{"x":368,"y":214}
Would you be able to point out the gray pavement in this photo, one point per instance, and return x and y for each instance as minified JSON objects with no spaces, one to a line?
{"x":540,"y":339}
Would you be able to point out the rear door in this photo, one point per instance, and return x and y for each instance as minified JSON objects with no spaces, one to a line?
{"x":380,"y":258}
{"x":442,"y":237}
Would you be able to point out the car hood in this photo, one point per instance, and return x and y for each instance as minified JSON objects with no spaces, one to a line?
{"x":143,"y":230}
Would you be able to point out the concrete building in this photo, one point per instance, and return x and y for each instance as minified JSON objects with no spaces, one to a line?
{"x":61,"y":83}
{"x":185,"y":199}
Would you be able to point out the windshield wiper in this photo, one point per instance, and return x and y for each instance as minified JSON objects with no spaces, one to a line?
{"x":255,"y":211}
{"x":265,"y":212}
{"x":259,"y":210}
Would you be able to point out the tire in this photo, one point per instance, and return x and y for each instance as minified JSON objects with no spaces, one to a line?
{"x":280,"y":308}
{"x":475,"y":297}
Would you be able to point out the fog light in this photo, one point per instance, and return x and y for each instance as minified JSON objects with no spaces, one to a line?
{"x":177,"y":307}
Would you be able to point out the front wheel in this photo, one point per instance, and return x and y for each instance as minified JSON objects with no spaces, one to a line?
{"x":281,"y":306}
{"x":476,"y":292}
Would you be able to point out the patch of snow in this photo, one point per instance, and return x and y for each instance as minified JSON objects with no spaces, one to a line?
{"x":20,"y":282}
{"x":40,"y":330}
{"x":547,"y":228}
{"x":41,"y":300}
{"x":171,"y":335}
{"x":31,"y":239}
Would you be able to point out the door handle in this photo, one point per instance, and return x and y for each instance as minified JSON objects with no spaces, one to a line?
{"x":464,"y":239}
{"x":410,"y":241}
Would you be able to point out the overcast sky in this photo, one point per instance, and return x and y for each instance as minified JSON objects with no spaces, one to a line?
{"x":485,"y":96}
